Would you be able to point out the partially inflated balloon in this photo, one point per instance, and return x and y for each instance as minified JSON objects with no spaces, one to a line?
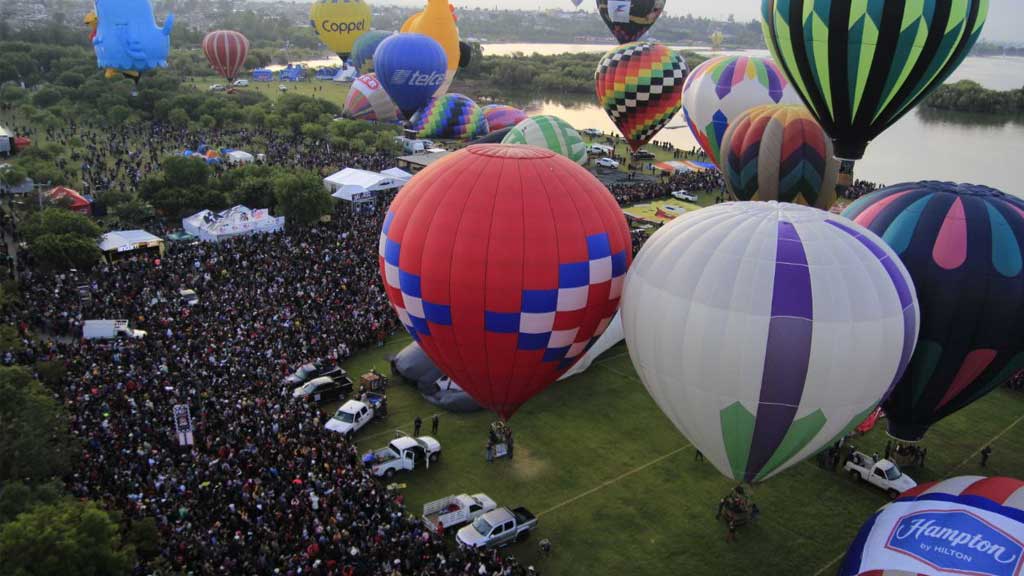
{"x":505,"y":263}
{"x":964,"y":247}
{"x":226,"y":51}
{"x":438,"y":22}
{"x":640,"y":87}
{"x":452,"y":116}
{"x":367,"y":100}
{"x":779,"y":153}
{"x":629,"y":19}
{"x":860,"y":66}
{"x":364,"y":48}
{"x":500,"y":116}
{"x":127,"y":38}
{"x":339,"y":24}
{"x":766,"y":331}
{"x":722,"y":88}
{"x":549,"y":132}
{"x":410,"y":67}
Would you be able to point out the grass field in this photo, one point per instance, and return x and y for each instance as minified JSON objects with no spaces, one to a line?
{"x":333,"y":91}
{"x":617,"y":489}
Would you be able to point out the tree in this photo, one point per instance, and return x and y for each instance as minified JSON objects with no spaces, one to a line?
{"x":59,"y":221}
{"x":301,"y":198}
{"x":68,"y":537}
{"x":182,"y":172}
{"x":178,"y":117}
{"x":134,"y":212}
{"x":64,"y":251}
{"x":35,"y":444}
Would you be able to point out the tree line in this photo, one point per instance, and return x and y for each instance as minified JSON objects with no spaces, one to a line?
{"x":969,"y":96}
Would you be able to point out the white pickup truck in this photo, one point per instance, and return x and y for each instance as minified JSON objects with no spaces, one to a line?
{"x":883,"y":473}
{"x":403,"y":453}
{"x":455,"y":510}
{"x":498,"y":528}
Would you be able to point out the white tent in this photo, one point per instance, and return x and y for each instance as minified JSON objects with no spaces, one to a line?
{"x":345,"y":74}
{"x":215,"y":226}
{"x":356,"y":185}
{"x":240,"y":157}
{"x":128,"y":240}
{"x":397,"y":173}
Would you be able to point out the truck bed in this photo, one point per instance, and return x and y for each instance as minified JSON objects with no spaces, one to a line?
{"x":523,"y":515}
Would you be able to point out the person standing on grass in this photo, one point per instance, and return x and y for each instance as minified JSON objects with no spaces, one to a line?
{"x":985,"y":453}
{"x":435,"y":421}
{"x":417,"y":424}
{"x":698,"y":456}
{"x":730,"y":536}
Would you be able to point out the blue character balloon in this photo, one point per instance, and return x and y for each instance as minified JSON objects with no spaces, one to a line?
{"x":410,"y":67}
{"x":127,"y":37}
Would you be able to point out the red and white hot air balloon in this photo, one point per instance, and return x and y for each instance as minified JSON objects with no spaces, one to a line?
{"x":226,"y":50}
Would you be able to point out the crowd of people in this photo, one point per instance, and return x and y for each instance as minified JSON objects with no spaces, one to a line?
{"x":634,"y":191}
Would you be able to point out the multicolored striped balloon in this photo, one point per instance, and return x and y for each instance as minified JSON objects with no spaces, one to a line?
{"x":640,"y":86}
{"x":964,"y":246}
{"x":367,"y":100}
{"x":963,"y":525}
{"x":451,"y":116}
{"x":779,"y":153}
{"x":766,"y":331}
{"x":722,"y":88}
{"x":549,"y":132}
{"x":860,"y":65}
{"x":501,"y":116}
{"x":363,"y":49}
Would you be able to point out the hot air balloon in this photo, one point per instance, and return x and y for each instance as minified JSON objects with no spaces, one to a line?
{"x":226,"y":50}
{"x":629,"y":19}
{"x":963,"y":245}
{"x":505,"y":263}
{"x":860,"y":66}
{"x":501,"y":116}
{"x":779,"y":153}
{"x":549,"y":132}
{"x":364,"y":48}
{"x":410,"y":67}
{"x":962,"y":525}
{"x":722,"y":88}
{"x":465,"y":54}
{"x":640,"y":87}
{"x":716,"y":40}
{"x":367,"y":100}
{"x":438,"y":22}
{"x":126,"y":38}
{"x":340,"y":24}
{"x":452,"y":116}
{"x":766,"y":331}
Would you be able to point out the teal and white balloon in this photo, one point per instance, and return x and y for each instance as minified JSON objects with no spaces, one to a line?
{"x":549,"y":132}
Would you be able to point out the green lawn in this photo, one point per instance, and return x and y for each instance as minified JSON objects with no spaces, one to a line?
{"x":333,"y":91}
{"x":617,"y":489}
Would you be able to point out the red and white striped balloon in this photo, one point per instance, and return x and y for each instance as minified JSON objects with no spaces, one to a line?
{"x":226,"y":50}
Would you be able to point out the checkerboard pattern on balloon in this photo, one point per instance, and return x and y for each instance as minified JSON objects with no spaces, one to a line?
{"x":450,"y":116}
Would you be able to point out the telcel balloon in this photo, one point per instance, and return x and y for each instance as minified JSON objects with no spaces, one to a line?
{"x":549,"y":132}
{"x":766,"y":331}
{"x":364,"y":48}
{"x":505,"y":263}
{"x":367,"y":100}
{"x":226,"y":51}
{"x":963,"y":525}
{"x":127,"y":37}
{"x":438,"y":22}
{"x":500,"y":116}
{"x":629,"y":19}
{"x":452,"y":116}
{"x":964,"y":247}
{"x":410,"y":67}
{"x":339,"y":24}
{"x":640,"y":87}
{"x":779,"y":153}
{"x":860,"y":66}
{"x":722,"y":88}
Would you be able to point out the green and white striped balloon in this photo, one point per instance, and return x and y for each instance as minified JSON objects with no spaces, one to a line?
{"x":549,"y":132}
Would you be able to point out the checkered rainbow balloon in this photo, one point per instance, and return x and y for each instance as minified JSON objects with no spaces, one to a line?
{"x":450,"y":116}
{"x":505,"y":263}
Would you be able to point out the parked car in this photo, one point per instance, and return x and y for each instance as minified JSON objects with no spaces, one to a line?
{"x":599,"y":149}
{"x":241,"y":83}
{"x":353,"y":415}
{"x":403,"y":453}
{"x":282,"y":87}
{"x":883,"y":474}
{"x":643,"y":155}
{"x":591,"y":131}
{"x":456,"y":510}
{"x":684,"y":195}
{"x":498,"y":528}
{"x":323,"y":389}
{"x":216,"y":88}
{"x":312,"y":370}
{"x":188,"y":296}
{"x":607,"y":163}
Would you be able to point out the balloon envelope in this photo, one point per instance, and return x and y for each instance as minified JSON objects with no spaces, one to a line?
{"x":964,"y":247}
{"x":127,"y":38}
{"x":962,"y":525}
{"x":438,"y":22}
{"x":364,"y":48}
{"x":860,"y":66}
{"x":367,"y":100}
{"x":549,"y":132}
{"x":410,"y":67}
{"x":640,"y":87}
{"x":501,"y":116}
{"x":629,"y":19}
{"x":722,"y":88}
{"x":226,"y":51}
{"x":340,"y":24}
{"x":766,"y":331}
{"x":779,"y":153}
{"x":451,"y":116}
{"x":504,"y":263}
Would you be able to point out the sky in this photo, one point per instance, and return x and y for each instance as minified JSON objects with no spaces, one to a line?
{"x":1004,"y":24}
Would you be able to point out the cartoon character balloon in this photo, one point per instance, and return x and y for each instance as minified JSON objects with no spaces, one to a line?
{"x":367,"y":100}
{"x":451,"y":116}
{"x":226,"y":51}
{"x":722,"y":88}
{"x":410,"y":67}
{"x":505,"y":263}
{"x":963,"y":525}
{"x":364,"y":48}
{"x":766,"y":331}
{"x":860,"y":66}
{"x":340,"y":24}
{"x":501,"y":116}
{"x":438,"y":21}
{"x":127,"y":39}
{"x":640,"y":87}
{"x":629,"y":19}
{"x":549,"y":132}
{"x":964,"y":247}
{"x":779,"y":153}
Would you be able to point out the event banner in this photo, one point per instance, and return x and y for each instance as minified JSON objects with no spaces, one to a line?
{"x":183,"y":425}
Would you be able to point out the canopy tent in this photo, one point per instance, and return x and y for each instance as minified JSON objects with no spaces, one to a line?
{"x":240,"y":220}
{"x":115,"y":243}
{"x":345,"y":74}
{"x":397,"y":173}
{"x":673,"y":166}
{"x":239,"y":157}
{"x":326,"y":73}
{"x":356,"y":185}
{"x":6,"y":142}
{"x":71,"y":198}
{"x":262,"y":75}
